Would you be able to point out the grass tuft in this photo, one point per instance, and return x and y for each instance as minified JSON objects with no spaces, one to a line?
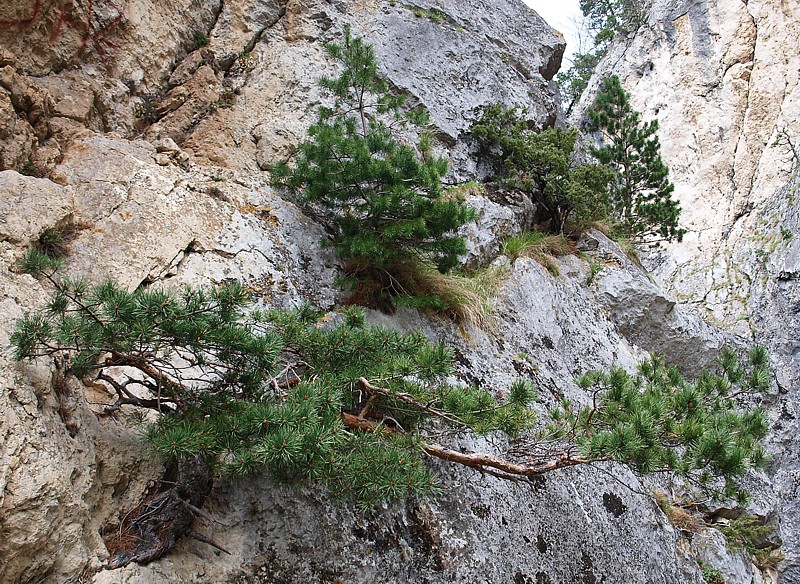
{"x":679,"y":517}
{"x":538,"y":246}
{"x":468,"y":299}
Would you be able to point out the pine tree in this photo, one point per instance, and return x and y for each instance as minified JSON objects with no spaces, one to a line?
{"x":379,"y":196}
{"x":574,"y":81}
{"x":606,"y":18}
{"x":539,"y":164}
{"x":328,"y":399}
{"x":641,"y":195}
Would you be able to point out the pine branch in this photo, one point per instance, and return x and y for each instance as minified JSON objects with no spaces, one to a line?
{"x":484,"y":461}
{"x":493,"y":465}
{"x":411,"y":401}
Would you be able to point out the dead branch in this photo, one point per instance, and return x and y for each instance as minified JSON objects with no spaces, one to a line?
{"x":208,"y":540}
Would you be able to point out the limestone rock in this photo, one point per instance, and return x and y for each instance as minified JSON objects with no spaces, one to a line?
{"x":722,"y":81}
{"x":648,"y":317}
{"x":29,"y":205}
{"x":16,"y":136}
{"x":710,"y":547}
{"x":64,"y":474}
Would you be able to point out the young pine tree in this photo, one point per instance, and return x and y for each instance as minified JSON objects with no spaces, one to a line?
{"x":539,"y":164}
{"x":379,"y":196}
{"x":641,"y":194}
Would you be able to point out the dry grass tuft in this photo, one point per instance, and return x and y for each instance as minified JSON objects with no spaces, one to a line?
{"x":681,"y":518}
{"x":467,"y":299}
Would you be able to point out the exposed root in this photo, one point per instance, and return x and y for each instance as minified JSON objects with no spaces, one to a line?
{"x":153,"y":528}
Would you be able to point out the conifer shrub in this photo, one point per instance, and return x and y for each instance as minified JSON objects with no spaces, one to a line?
{"x":379,"y":196}
{"x":540,"y":165}
{"x":641,"y":192}
{"x":271,"y":390}
{"x":327,"y":399}
{"x":608,"y":18}
{"x":756,"y":537}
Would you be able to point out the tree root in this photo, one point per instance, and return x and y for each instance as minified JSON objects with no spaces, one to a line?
{"x":153,"y":528}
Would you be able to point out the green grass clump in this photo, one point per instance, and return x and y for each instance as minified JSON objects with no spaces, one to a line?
{"x":538,"y":246}
{"x":200,"y":39}
{"x":467,"y":299}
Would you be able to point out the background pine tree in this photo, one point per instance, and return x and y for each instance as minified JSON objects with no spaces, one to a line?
{"x":603,"y":20}
{"x":540,"y":165}
{"x":641,"y":195}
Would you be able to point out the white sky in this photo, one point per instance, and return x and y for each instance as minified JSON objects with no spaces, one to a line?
{"x":562,"y":15}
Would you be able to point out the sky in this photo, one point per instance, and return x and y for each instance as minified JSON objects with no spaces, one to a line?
{"x":561,"y":15}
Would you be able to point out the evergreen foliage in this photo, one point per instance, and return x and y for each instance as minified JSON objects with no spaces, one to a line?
{"x":641,"y":194}
{"x":756,"y":537}
{"x":603,"y":19}
{"x":574,"y":81}
{"x":606,"y":18}
{"x":658,"y":421}
{"x":379,"y":196}
{"x":340,"y":404}
{"x":539,"y":164}
{"x":331,"y":400}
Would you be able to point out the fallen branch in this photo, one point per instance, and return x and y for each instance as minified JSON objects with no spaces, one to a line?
{"x":209,"y":541}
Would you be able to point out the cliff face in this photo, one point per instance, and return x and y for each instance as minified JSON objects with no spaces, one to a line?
{"x":722,"y":79}
{"x":155,"y":151}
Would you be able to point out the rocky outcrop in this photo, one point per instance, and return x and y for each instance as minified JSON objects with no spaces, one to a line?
{"x":721,"y":78}
{"x":153,"y":150}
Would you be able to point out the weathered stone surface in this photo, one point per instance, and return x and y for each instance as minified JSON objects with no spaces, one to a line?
{"x":493,"y":531}
{"x":721,"y":78}
{"x":64,"y":474}
{"x":16,"y":136}
{"x":134,"y":41}
{"x":139,"y":223}
{"x":710,"y":547}
{"x":650,"y":318}
{"x":494,"y":221}
{"x":29,"y":205}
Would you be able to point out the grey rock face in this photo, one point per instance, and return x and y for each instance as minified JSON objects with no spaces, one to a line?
{"x":650,"y":318}
{"x":718,"y":77}
{"x":190,"y":204}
